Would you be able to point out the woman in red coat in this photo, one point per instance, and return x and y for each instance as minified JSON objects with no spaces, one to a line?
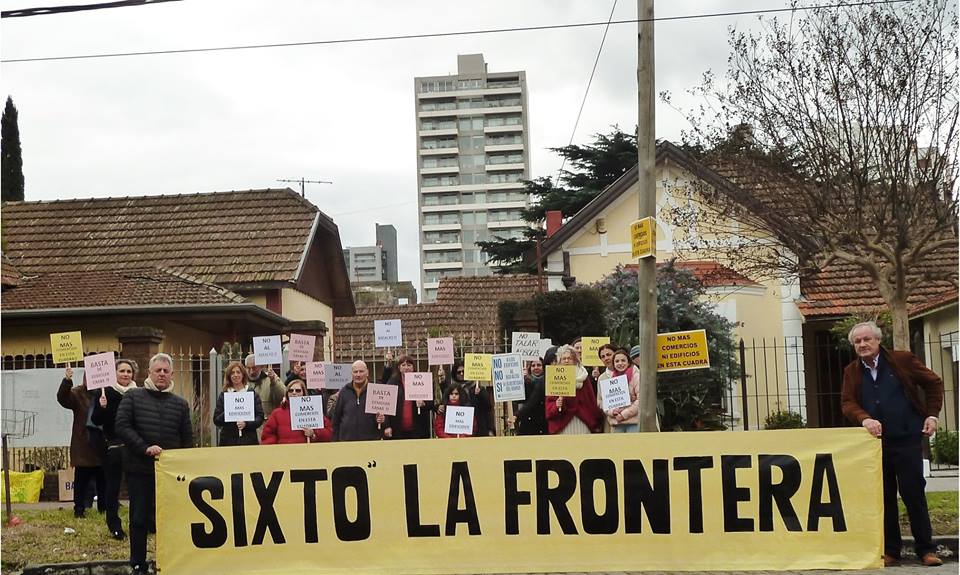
{"x":577,"y":415}
{"x":277,"y":429}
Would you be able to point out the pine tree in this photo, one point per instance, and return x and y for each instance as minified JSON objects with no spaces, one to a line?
{"x":11,"y":170}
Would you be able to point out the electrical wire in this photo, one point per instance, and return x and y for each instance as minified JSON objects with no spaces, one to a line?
{"x":49,"y":10}
{"x":446,"y":34}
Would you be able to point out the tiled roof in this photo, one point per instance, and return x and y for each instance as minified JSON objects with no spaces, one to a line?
{"x":105,"y":289}
{"x":221,"y":237}
{"x":8,"y":272}
{"x":947,"y":298}
{"x":844,"y":288}
{"x":465,"y":308}
{"x":709,"y":273}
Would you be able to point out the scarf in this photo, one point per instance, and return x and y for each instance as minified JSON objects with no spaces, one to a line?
{"x":149,"y":385}
{"x":581,"y":375}
{"x":121,"y":390}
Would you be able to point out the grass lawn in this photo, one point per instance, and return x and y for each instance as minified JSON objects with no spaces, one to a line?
{"x":943,"y":513}
{"x":40,"y":539}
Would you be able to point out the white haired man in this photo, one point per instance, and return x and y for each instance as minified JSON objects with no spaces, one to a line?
{"x":266,"y":383}
{"x":897,"y":400}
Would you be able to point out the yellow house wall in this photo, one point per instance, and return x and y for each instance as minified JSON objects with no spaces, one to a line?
{"x":940,"y":329}
{"x":299,"y":306}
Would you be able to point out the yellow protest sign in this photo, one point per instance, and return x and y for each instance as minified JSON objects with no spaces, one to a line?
{"x":477,"y":366}
{"x":682,"y":350}
{"x":562,"y":380}
{"x":66,"y":346}
{"x":643,"y":237}
{"x":591,"y":350}
{"x":763,"y":500}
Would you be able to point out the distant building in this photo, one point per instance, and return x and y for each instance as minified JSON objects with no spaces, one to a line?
{"x":377,"y":263}
{"x":472,"y":155}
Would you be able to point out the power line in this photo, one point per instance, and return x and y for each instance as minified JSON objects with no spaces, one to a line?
{"x":587,"y":91}
{"x":48,"y":10}
{"x":447,"y":34}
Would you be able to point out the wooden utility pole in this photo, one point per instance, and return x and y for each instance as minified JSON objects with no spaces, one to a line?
{"x":646,"y":163}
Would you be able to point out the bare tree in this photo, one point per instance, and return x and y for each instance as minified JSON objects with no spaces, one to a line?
{"x":838,"y":128}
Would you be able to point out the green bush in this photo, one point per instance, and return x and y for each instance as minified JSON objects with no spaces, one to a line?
{"x":784,"y":420}
{"x":943,"y":445}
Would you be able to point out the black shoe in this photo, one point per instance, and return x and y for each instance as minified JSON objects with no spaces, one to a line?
{"x":78,"y":513}
{"x":118,"y":534}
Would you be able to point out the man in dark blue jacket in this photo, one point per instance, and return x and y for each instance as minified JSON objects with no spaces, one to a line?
{"x":350,"y":420}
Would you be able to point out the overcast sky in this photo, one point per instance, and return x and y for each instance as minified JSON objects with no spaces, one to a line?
{"x":182,"y":123}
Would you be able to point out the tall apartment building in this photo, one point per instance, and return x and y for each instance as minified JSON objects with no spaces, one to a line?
{"x":376,"y":263}
{"x":472,"y":153}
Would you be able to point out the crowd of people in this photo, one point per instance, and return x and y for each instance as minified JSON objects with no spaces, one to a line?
{"x":123,"y":428}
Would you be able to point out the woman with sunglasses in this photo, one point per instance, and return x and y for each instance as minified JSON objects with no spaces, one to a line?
{"x":278,"y":428}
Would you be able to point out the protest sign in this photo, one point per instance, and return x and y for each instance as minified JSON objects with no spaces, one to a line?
{"x":337,"y":375}
{"x":779,"y":500}
{"x":591,"y":350}
{"x":562,"y":380}
{"x":527,"y":344}
{"x":301,"y":347}
{"x":381,"y":399}
{"x":680,"y":350}
{"x":66,"y":346}
{"x":615,"y":392}
{"x":476,"y":366}
{"x":418,"y":386}
{"x":267,"y":349}
{"x":100,"y":369}
{"x":643,"y":237}
{"x":508,"y":377}
{"x":439,"y":350}
{"x":306,"y":412}
{"x":316,"y":375}
{"x":458,"y":420}
{"x":545,"y":344}
{"x":387,"y":333}
{"x":238,"y":406}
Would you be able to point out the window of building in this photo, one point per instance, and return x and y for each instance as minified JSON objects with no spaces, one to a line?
{"x":471,"y":124}
{"x":470,"y":144}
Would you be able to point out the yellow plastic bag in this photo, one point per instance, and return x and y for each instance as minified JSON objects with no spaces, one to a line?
{"x":24,"y":487}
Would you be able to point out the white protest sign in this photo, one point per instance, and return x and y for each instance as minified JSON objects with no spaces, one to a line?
{"x":100,"y":369}
{"x":306,"y":412}
{"x":337,"y":375}
{"x":381,"y":399}
{"x":458,"y":420}
{"x":267,"y":350}
{"x":439,"y":350}
{"x":301,"y":347}
{"x":545,"y":344}
{"x":527,"y":344}
{"x":238,"y":406}
{"x":418,"y":386}
{"x":615,"y":392}
{"x":386,"y":333}
{"x":508,"y":377}
{"x":316,"y":374}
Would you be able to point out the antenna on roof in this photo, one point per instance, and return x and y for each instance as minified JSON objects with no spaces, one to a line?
{"x":303,"y":184}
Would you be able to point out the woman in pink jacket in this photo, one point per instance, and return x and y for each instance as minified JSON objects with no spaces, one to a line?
{"x":278,"y":429}
{"x":623,"y":419}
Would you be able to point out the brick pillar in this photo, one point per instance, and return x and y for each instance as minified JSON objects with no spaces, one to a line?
{"x":140,"y":344}
{"x":311,"y":327}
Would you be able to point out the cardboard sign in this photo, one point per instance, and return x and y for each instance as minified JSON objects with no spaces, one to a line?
{"x":306,"y":412}
{"x":66,"y":346}
{"x":439,"y":351}
{"x":527,"y":344}
{"x":238,"y":406}
{"x":562,"y":380}
{"x":545,"y":344}
{"x":267,"y":350}
{"x":615,"y":392}
{"x":386,"y":333}
{"x":508,"y":377}
{"x":381,"y":398}
{"x":65,"y":484}
{"x":643,"y":238}
{"x":418,"y":386}
{"x":316,"y":374}
{"x":680,"y":350}
{"x":337,"y":375}
{"x":591,"y":350}
{"x":458,"y":420}
{"x":301,"y":347}
{"x":477,"y":366}
{"x":100,"y":369}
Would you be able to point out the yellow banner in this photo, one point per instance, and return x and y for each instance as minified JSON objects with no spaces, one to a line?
{"x":707,"y":501}
{"x":680,"y":350}
{"x":561,"y":380}
{"x":66,"y":346}
{"x":643,"y":238}
{"x":477,"y":366}
{"x":591,"y":350}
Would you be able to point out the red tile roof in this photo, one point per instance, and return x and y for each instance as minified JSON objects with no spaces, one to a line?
{"x":945,"y":299}
{"x":104,"y":289}
{"x":9,"y":274}
{"x":465,"y":308}
{"x":222,"y":237}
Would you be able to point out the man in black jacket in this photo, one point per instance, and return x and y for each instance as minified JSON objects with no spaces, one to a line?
{"x":351,"y":422}
{"x":150,"y":420}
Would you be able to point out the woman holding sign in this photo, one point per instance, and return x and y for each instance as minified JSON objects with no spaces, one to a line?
{"x":454,"y":395}
{"x":622,"y":419}
{"x":412,"y":420}
{"x":577,"y":415}
{"x":232,"y":432}
{"x":278,"y":428}
{"x":87,"y":459}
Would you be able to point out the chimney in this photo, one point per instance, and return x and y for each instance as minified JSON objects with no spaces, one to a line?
{"x":554,"y":221}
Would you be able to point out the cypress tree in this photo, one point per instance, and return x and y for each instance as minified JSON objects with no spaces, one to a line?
{"x":11,"y":170}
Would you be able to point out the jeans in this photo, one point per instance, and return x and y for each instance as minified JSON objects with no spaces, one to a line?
{"x":625,"y":428}
{"x":903,"y":471}
{"x":143,"y":496}
{"x":82,"y":476}
{"x":113,"y":470}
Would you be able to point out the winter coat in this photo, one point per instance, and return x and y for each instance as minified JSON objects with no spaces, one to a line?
{"x":77,"y":399}
{"x":147,"y":417}
{"x":106,"y":417}
{"x":350,"y":421}
{"x":230,"y":434}
{"x":270,"y":391}
{"x":277,"y":429}
{"x":583,"y":406}
{"x":419,"y":422}
{"x":440,"y":421}
{"x":531,"y":412}
{"x":630,"y":413}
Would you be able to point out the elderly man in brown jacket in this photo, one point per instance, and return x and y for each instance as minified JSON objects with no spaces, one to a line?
{"x":897,"y":400}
